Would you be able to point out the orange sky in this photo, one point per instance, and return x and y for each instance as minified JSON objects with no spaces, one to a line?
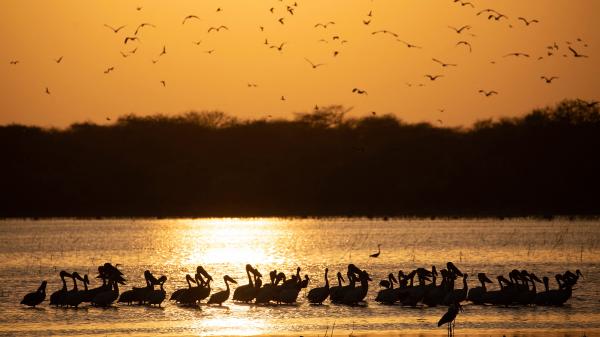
{"x":37,"y":32}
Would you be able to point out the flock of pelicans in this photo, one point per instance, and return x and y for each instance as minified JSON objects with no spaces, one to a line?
{"x":418,"y":287}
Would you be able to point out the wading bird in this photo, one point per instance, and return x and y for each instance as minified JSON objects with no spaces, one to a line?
{"x":450,"y":317}
{"x":36,"y":297}
{"x":378,"y":251}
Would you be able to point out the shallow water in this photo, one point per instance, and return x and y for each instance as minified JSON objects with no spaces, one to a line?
{"x":31,"y":251}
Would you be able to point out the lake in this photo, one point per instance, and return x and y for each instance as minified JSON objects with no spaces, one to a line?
{"x":32,"y":251}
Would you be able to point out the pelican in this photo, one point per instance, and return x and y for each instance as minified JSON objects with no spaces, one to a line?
{"x":450,"y":317}
{"x":36,"y":297}
{"x":106,"y":298}
{"x":458,"y":295}
{"x":353,"y":296}
{"x":388,"y":295}
{"x":184,"y":291}
{"x":221,"y":296}
{"x":245,"y":293}
{"x":157,"y":296}
{"x":340,"y":293}
{"x":268,"y":291}
{"x":74,"y":297}
{"x":475,"y":294}
{"x":57,"y":297}
{"x":320,"y":294}
{"x":138,"y":294}
{"x":334,"y":291}
{"x":203,"y":289}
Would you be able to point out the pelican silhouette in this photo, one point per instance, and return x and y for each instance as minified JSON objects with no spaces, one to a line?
{"x":359,"y":91}
{"x":443,"y":64}
{"x":575,"y":53}
{"x":518,"y":54}
{"x":314,"y":66}
{"x":246,"y":292}
{"x":409,"y":45}
{"x":36,"y":297}
{"x":549,"y":79}
{"x":324,"y":25}
{"x":57,"y":297}
{"x":181,"y":295}
{"x":357,"y":294}
{"x":218,"y":29}
{"x":461,"y":29}
{"x":387,"y":295}
{"x":320,"y":294}
{"x":527,"y":22}
{"x":190,"y":17}
{"x":378,"y":251}
{"x":157,"y":296}
{"x":475,"y":294}
{"x":221,"y":296}
{"x":433,"y":77}
{"x":384,"y":32}
{"x":334,"y":292}
{"x":130,"y":38}
{"x":488,"y":93}
{"x":466,"y":43}
{"x":142,"y":25}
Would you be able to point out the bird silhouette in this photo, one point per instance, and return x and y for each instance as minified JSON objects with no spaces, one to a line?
{"x":487,"y":10}
{"x":444,"y":64}
{"x":488,"y":93}
{"x":497,"y":17}
{"x":575,"y":53}
{"x":335,"y":53}
{"x":218,"y":29}
{"x":123,"y":54}
{"x":409,"y":45}
{"x":197,"y":43}
{"x":47,"y":91}
{"x":164,"y":84}
{"x":130,"y":38}
{"x":378,"y":245}
{"x":58,"y":60}
{"x":450,"y":317}
{"x":433,"y":77}
{"x":279,"y":48}
{"x":549,"y":79}
{"x":142,"y":25}
{"x":324,"y":25}
{"x":115,"y":30}
{"x":466,"y":43}
{"x":461,"y":29}
{"x":209,"y":51}
{"x":366,"y":22}
{"x":14,"y":62}
{"x":527,"y":22}
{"x":189,"y":17}
{"x":384,"y":32}
{"x":314,"y":65}
{"x":466,"y":3}
{"x":359,"y":91}
{"x":163,"y":52}
{"x":108,"y":70}
{"x":517,"y":55}
{"x":280,"y":20}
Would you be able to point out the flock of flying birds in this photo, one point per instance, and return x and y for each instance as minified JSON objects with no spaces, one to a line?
{"x":284,"y":11}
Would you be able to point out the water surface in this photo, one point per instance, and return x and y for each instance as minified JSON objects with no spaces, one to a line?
{"x":31,"y":251}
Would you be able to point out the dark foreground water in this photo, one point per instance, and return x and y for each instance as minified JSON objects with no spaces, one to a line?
{"x":31,"y":251}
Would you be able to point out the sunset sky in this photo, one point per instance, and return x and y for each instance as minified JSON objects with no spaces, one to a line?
{"x":37,"y":33}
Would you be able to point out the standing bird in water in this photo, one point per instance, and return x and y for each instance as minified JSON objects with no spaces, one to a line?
{"x":450,"y":317}
{"x":221,"y":296}
{"x":378,"y":251}
{"x":318,"y":295}
{"x":37,"y":297}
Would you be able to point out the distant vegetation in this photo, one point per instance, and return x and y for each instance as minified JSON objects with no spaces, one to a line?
{"x":319,"y":163}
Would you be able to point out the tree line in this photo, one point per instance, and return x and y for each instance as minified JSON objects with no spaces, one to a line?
{"x":316,"y":164}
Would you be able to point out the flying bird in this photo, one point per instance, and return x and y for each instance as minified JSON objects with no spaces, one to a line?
{"x":14,"y":62}
{"x":359,"y":91}
{"x":488,"y":93}
{"x":280,"y":47}
{"x":218,"y":29}
{"x":115,"y":30}
{"x":58,"y":60}
{"x":189,"y":17}
{"x":209,"y":51}
{"x":123,"y":54}
{"x":163,"y":52}
{"x":409,"y":45}
{"x":385,"y":32}
{"x":466,"y":43}
{"x":130,"y":38}
{"x":324,"y":25}
{"x":461,"y":29}
{"x":108,"y":70}
{"x":142,"y":25}
{"x":497,"y":17}
{"x":314,"y":66}
{"x":164,"y":84}
{"x":549,"y":79}
{"x":444,"y":64}
{"x":516,"y":55}
{"x":433,"y":77}
{"x":197,"y":43}
{"x":575,"y":53}
{"x":280,"y":20}
{"x":467,"y":3}
{"x":527,"y":22}
{"x":487,"y":10}
{"x":47,"y":91}
{"x":366,"y":22}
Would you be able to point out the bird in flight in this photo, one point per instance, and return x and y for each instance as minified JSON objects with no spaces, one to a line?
{"x":282,"y":98}
{"x":218,"y":29}
{"x":139,"y":8}
{"x":142,"y":25}
{"x":130,"y":38}
{"x":115,"y":30}
{"x":133,"y":50}
{"x":190,"y":17}
{"x":252,"y":85}
{"x":108,"y":70}
{"x":461,"y":29}
{"x":335,"y":53}
{"x":197,"y":43}
{"x":280,"y":47}
{"x":385,"y":32}
{"x":466,"y":3}
{"x":527,"y":22}
{"x":280,"y":20}
{"x":466,"y":43}
{"x":409,"y":45}
{"x":14,"y":62}
{"x":366,"y":22}
{"x":209,"y":51}
{"x":164,"y":84}
{"x":163,"y":52}
{"x":549,"y":79}
{"x":58,"y":60}
{"x":433,"y":77}
{"x":487,"y":10}
{"x":47,"y":91}
{"x":517,"y":55}
{"x":444,"y":64}
{"x":488,"y":93}
{"x":359,"y":91}
{"x":123,"y":54}
{"x":219,"y":9}
{"x":314,"y":66}
{"x":575,"y":53}
{"x":497,"y":17}
{"x":324,"y":25}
